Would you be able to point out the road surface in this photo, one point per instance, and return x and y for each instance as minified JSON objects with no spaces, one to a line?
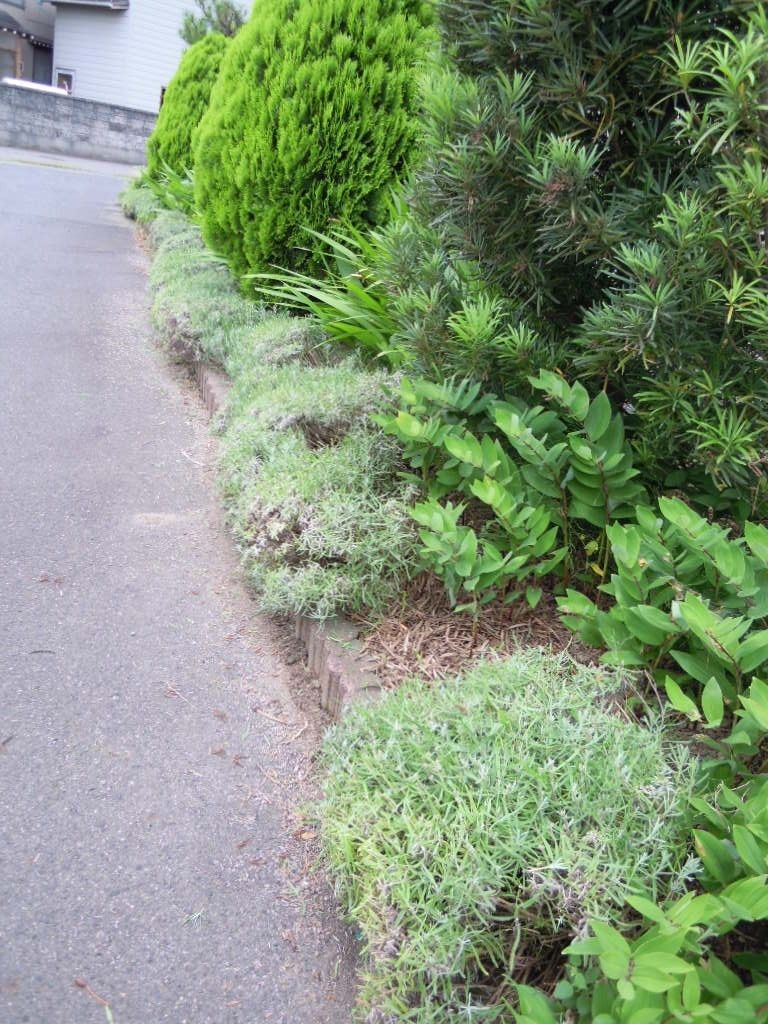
{"x":149,"y":853}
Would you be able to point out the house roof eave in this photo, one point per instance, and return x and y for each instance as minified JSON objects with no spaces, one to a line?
{"x":109,"y":5}
{"x":10,"y":26}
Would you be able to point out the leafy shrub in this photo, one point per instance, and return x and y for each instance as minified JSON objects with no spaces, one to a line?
{"x":550,"y":483}
{"x":667,"y":972}
{"x":475,"y":824}
{"x":698,"y":958}
{"x":311,"y":120}
{"x":186,"y":100}
{"x":346,"y":299}
{"x":174,"y":191}
{"x":688,"y":601}
{"x":610,"y":188}
{"x":311,"y":486}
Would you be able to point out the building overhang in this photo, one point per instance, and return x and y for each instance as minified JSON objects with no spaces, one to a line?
{"x":9,"y":26}
{"x":108,"y":5}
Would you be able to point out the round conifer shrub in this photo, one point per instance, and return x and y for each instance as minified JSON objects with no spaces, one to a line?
{"x":311,"y":121}
{"x":186,"y":100}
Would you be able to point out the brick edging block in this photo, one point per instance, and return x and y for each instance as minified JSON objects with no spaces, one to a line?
{"x":334,"y":653}
{"x":213,"y":386}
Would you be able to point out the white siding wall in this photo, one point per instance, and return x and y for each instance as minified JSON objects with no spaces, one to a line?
{"x":122,"y":57}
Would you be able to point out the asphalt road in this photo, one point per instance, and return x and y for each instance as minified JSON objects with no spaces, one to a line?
{"x":149,"y":853}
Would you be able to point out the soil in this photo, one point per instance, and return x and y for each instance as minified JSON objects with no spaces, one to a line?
{"x":425,"y":638}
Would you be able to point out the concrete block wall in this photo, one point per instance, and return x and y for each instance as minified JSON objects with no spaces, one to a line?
{"x":72,"y":126}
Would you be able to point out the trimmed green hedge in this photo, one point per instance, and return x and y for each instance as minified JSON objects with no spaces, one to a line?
{"x":186,"y":100}
{"x":312,"y":120}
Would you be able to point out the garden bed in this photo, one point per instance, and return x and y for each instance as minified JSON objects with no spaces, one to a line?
{"x":422,"y":636}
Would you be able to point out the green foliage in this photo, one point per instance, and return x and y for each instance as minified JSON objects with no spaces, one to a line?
{"x":311,"y":486}
{"x":139,"y":201}
{"x":197,"y":309}
{"x":603,"y":169}
{"x":346,"y":299}
{"x":186,"y":100}
{"x":474,"y":824}
{"x":549,"y":482}
{"x":687,"y":600}
{"x":667,"y":970}
{"x":173,"y":191}
{"x":312,"y":491}
{"x":310,"y":122}
{"x":667,"y":973}
{"x":733,"y":840}
{"x":225,"y":17}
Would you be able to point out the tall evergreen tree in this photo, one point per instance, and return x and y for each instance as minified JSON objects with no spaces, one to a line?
{"x":604,"y":165}
{"x":186,"y":100}
{"x":310,"y":123}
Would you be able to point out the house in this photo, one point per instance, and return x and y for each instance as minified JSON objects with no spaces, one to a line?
{"x":26,"y":40}
{"x":122,"y":52}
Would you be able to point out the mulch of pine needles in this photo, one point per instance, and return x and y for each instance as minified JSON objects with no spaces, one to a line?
{"x":424,"y":637}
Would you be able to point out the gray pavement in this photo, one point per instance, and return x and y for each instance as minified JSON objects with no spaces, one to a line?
{"x":150,"y":855}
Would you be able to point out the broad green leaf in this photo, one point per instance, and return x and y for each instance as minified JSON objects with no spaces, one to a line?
{"x":647,"y":908}
{"x":598,"y":418}
{"x":466,"y":449}
{"x":409,"y":426}
{"x":756,"y":703}
{"x":625,"y":989}
{"x":624,"y":657}
{"x":756,"y":537}
{"x":595,"y":516}
{"x":667,"y":962}
{"x":661,"y":941}
{"x":651,"y":979}
{"x":753,"y":651}
{"x":721,"y":635}
{"x":691,"y":993}
{"x":648,"y":1015}
{"x":691,"y":910}
{"x":714,"y":856}
{"x":535,"y":1004}
{"x":712,"y":703}
{"x":696,"y":665}
{"x":679,"y":701}
{"x":610,"y":939}
{"x":625,"y":543}
{"x":716,"y":978}
{"x":735,"y":1011}
{"x":579,"y":401}
{"x":729,"y":559}
{"x":576,"y":603}
{"x":750,"y":851}
{"x":614,"y":963}
{"x":649,"y":624}
{"x":681,"y":515}
{"x":584,"y":947}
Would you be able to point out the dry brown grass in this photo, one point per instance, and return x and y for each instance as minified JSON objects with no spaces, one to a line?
{"x":424,"y":637}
